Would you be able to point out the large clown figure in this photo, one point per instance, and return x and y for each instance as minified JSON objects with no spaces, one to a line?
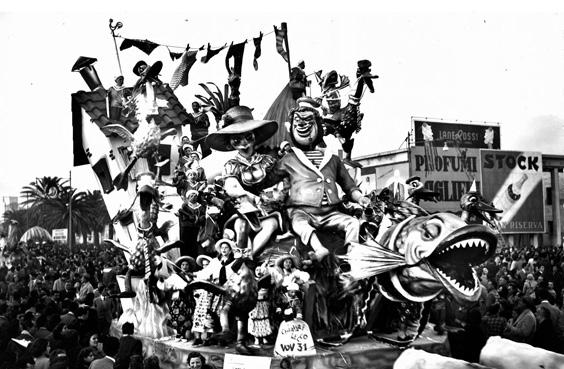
{"x":314,"y":175}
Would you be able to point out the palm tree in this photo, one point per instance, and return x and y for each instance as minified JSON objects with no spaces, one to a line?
{"x":17,"y":222}
{"x":99,"y":217}
{"x":44,"y":188}
{"x":55,"y":212}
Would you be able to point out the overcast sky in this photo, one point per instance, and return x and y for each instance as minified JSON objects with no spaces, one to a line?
{"x":504,"y":65}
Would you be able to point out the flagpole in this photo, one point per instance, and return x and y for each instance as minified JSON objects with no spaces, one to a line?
{"x":284,"y":27}
{"x":113,"y":28}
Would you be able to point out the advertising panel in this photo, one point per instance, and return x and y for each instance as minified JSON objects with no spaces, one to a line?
{"x":476,"y":136}
{"x":513,"y":181}
{"x":448,"y":172}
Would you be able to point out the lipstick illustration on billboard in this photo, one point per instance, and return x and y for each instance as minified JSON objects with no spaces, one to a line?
{"x":513,"y":180}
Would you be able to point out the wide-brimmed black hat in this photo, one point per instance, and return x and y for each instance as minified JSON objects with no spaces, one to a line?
{"x":138,"y":65}
{"x":189,"y":259}
{"x":237,"y":120}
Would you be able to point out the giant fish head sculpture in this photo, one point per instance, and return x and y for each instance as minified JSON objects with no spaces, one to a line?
{"x":419,"y":257}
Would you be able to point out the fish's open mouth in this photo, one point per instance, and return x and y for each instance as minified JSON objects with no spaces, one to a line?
{"x":453,"y":259}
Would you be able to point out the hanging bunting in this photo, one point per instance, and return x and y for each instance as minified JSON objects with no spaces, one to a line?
{"x":211,"y":53}
{"x":281,"y":37}
{"x":144,"y":45}
{"x":236,"y":52}
{"x":180,"y":75}
{"x":174,"y":55}
{"x":257,"y":41}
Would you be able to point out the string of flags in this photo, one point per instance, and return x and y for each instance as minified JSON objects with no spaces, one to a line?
{"x":233,"y":59}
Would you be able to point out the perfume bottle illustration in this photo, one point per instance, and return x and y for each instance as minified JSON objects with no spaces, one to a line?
{"x":511,"y":194}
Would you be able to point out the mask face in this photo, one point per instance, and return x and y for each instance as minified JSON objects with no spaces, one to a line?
{"x":304,"y":128}
{"x":244,"y":143}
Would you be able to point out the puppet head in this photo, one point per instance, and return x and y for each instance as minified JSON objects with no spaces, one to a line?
{"x":306,"y":129}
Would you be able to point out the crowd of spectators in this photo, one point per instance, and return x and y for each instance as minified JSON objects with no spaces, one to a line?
{"x":56,"y":310}
{"x":521,"y":299}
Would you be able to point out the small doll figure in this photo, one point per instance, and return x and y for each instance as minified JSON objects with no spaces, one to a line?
{"x":191,"y":216}
{"x":202,"y":329}
{"x":193,"y":182}
{"x":181,"y":304}
{"x":194,"y":163}
{"x":291,"y":305}
{"x":259,"y":318}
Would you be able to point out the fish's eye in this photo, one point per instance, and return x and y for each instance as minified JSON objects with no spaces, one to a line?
{"x":431,"y":231}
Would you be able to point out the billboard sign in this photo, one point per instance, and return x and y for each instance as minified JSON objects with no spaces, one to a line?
{"x":476,"y":136}
{"x":450,"y":173}
{"x":59,"y":235}
{"x":513,"y":181}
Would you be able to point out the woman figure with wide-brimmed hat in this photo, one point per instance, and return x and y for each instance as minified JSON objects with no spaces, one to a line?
{"x":289,"y":266}
{"x":247,"y":174}
{"x":217,"y":271}
{"x":181,"y":306}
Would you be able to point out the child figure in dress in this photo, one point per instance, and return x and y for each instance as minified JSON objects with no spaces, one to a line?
{"x":202,"y":329}
{"x":259,"y":318}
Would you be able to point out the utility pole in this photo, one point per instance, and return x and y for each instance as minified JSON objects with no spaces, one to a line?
{"x":69,"y":231}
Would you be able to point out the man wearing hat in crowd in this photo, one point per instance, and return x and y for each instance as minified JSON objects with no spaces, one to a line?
{"x":199,"y":125}
{"x":314,"y":175}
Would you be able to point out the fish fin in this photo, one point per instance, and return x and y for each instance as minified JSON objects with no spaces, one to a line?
{"x":370,"y":259}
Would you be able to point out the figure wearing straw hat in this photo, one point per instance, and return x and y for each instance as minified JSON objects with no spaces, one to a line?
{"x":181,"y":306}
{"x":246,"y":175}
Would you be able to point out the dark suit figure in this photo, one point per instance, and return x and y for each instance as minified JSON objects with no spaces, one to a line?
{"x":128,"y":346}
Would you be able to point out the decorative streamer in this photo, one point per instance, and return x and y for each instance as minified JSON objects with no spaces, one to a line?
{"x":281,"y":37}
{"x":211,"y":53}
{"x":180,"y":75}
{"x":236,"y":52}
{"x":174,"y":55}
{"x":144,"y":45}
{"x":257,"y":41}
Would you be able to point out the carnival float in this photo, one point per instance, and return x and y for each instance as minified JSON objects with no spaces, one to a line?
{"x":279,"y":254}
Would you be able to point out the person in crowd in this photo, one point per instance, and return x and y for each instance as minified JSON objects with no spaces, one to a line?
{"x":196,"y":360}
{"x":39,"y":350}
{"x":151,"y":362}
{"x":85,"y":357}
{"x":111,"y":346}
{"x":128,"y":346}
{"x":494,"y":324}
{"x":104,"y":310}
{"x":522,"y":327}
{"x":545,"y":337}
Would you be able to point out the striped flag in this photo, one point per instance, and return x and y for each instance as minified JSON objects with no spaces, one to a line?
{"x":281,"y":37}
{"x":180,"y":75}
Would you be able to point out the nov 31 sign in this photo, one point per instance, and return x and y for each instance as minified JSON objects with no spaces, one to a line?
{"x":294,"y":339}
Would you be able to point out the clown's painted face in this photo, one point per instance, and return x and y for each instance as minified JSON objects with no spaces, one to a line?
{"x":304,"y":128}
{"x":244,"y":143}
